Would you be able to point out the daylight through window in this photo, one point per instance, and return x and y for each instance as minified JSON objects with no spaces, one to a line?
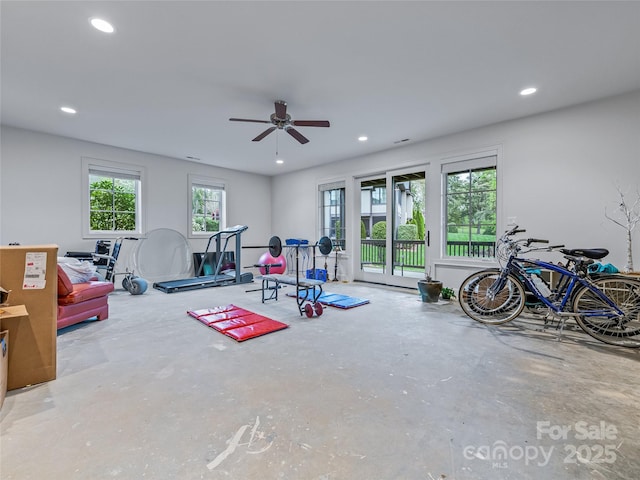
{"x":471,"y":208}
{"x":114,"y":200}
{"x":332,"y":213}
{"x":207,"y":208}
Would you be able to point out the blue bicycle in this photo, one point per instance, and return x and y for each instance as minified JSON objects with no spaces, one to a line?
{"x":607,"y":307}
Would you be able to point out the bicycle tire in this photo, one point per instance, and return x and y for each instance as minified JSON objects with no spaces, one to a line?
{"x":621,"y":331}
{"x":506,"y":305}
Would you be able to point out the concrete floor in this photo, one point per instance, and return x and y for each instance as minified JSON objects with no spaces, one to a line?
{"x":397,"y":389}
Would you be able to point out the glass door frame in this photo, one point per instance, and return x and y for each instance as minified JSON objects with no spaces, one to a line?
{"x":387,"y":276}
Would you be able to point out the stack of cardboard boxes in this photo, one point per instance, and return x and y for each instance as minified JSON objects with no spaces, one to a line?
{"x":28,"y":315}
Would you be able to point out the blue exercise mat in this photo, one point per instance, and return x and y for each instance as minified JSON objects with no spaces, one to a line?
{"x":337,"y":300}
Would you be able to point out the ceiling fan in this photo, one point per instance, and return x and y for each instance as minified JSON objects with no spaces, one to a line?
{"x":282,"y":120}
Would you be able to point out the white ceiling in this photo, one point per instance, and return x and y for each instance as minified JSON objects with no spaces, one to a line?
{"x":170,"y":77}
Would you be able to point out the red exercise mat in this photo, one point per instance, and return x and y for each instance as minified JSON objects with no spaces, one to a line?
{"x":236,"y":322}
{"x":210,"y":311}
{"x":220,"y":317}
{"x":251,"y":331}
{"x":224,"y":325}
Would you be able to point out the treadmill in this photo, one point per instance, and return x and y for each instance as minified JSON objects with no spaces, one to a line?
{"x":217,"y":278}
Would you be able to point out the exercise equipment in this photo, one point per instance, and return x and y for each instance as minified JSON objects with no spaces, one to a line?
{"x":335,"y":266}
{"x":308,"y":290}
{"x":301,"y":250}
{"x":273,"y":261}
{"x":325,"y":246}
{"x":236,"y":322}
{"x":132,"y":283}
{"x":267,"y":263}
{"x":163,"y":255}
{"x":218,"y":277}
{"x":338,"y":300}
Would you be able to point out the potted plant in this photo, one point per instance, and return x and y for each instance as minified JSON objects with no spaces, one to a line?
{"x":429,"y":288}
{"x":447,"y":293}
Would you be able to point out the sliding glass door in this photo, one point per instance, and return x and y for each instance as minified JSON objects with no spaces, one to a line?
{"x":408,"y":227}
{"x":373,"y":227}
{"x":392,"y":228}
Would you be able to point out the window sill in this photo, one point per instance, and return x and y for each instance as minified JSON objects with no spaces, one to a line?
{"x":466,"y":263}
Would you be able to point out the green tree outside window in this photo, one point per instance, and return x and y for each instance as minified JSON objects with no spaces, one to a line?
{"x":112,"y":203}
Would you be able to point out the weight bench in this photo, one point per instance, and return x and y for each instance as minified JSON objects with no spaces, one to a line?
{"x":307,"y":289}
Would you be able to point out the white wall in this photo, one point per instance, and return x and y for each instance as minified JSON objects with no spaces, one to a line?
{"x":41,"y":180}
{"x":557,"y":173}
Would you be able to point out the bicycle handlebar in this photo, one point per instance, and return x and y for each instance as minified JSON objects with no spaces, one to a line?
{"x":513,"y":231}
{"x":517,"y":244}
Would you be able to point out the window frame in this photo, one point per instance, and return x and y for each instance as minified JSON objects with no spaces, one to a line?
{"x":341,"y":206}
{"x":213,"y":184}
{"x":91,"y":166}
{"x":470,"y":162}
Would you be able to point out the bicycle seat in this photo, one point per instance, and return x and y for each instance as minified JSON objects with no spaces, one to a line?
{"x":595,"y":253}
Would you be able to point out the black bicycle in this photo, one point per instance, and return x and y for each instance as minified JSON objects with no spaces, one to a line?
{"x":607,"y":307}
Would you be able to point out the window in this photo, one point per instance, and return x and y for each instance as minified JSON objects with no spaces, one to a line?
{"x":113,"y":198}
{"x":332,"y":213}
{"x":207,"y":206}
{"x":470,"y":207}
{"x":379,"y":196}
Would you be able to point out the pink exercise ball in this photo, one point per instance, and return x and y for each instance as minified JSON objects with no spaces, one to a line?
{"x":267,"y":259}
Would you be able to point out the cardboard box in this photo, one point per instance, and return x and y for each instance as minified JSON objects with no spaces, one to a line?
{"x":4,"y":364}
{"x":30,"y":273}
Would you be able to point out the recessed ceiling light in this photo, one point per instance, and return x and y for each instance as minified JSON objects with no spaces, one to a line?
{"x":70,"y":110}
{"x":363,"y":138}
{"x":528,"y":91}
{"x":101,"y":25}
{"x":279,"y":161}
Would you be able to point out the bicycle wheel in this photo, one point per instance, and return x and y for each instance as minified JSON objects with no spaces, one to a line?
{"x":483,"y":305}
{"x":597,"y":317}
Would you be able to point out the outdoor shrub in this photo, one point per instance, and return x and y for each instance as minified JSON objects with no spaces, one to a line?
{"x":379,"y":231}
{"x":407,"y":232}
{"x":418,"y":218}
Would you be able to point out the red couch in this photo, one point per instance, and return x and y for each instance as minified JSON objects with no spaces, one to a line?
{"x":81,"y":301}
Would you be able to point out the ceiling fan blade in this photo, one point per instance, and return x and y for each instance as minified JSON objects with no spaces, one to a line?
{"x":264,"y":134}
{"x":310,"y":123}
{"x":248,"y":120}
{"x":297,"y":135}
{"x":281,"y":109}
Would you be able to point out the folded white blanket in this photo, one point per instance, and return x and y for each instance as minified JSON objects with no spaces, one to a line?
{"x":77,"y":271}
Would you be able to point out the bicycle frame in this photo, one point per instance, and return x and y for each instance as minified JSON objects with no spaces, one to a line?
{"x":607,"y":307}
{"x":566,"y":286}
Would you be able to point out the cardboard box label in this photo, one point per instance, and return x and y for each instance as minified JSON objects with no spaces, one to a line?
{"x":35,"y":270}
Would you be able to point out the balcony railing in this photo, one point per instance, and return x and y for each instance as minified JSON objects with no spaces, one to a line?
{"x":411,"y":253}
{"x":473,"y":249}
